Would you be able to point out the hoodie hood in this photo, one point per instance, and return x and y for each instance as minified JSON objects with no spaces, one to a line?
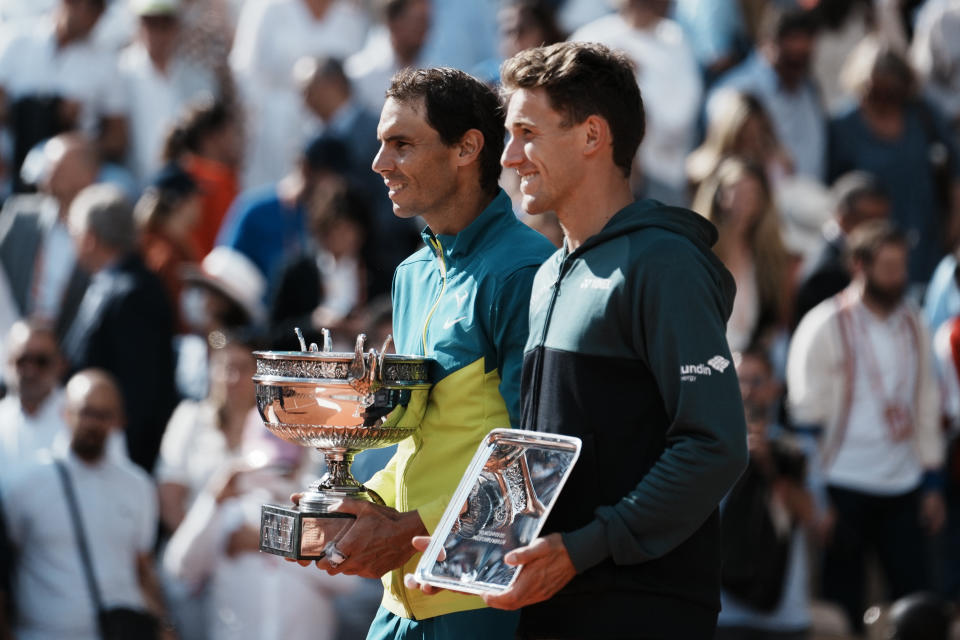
{"x":652,"y":214}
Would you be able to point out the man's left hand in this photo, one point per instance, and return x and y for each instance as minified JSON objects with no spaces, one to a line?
{"x":378,"y":542}
{"x":547,"y":568}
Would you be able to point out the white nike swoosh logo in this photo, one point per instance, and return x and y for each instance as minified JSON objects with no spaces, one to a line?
{"x":450,"y":323}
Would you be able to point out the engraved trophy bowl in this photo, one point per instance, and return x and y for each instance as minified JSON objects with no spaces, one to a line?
{"x":337,"y":403}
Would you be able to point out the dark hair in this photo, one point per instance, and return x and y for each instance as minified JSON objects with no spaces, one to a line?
{"x":338,"y":205}
{"x":455,"y":103}
{"x":778,"y":23}
{"x":583,"y":79}
{"x":540,"y":13}
{"x":391,"y":9}
{"x":868,"y":239}
{"x":851,"y":187}
{"x":194,"y":125}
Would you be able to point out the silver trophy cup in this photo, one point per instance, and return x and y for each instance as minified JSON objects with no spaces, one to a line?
{"x":337,"y":403}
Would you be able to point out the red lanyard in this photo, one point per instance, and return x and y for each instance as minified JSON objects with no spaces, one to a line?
{"x":897,"y":414}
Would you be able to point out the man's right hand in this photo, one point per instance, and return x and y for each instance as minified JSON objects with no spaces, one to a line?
{"x":377,"y":543}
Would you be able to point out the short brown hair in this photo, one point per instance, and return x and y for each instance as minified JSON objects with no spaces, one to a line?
{"x":867,"y":240}
{"x":582,"y":79}
{"x":455,"y":103}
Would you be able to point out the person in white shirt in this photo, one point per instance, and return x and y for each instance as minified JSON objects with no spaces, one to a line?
{"x":270,"y":38}
{"x":670,"y":81}
{"x":117,"y":506}
{"x":253,"y":595}
{"x":370,"y":70}
{"x":860,"y":368}
{"x":31,"y":415}
{"x":58,"y":58}
{"x":159,"y":84}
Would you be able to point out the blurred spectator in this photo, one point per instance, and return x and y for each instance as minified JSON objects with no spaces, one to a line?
{"x":8,"y":316}
{"x":860,"y":369}
{"x":269,"y":225}
{"x":125,"y":323}
{"x":462,"y":34}
{"x":53,"y":78}
{"x":36,"y":252}
{"x":737,"y":200}
{"x":206,"y":142}
{"x":159,"y":83}
{"x":715,"y":31}
{"x":200,"y":438}
{"x":765,"y":519}
{"x":895,"y":135}
{"x":270,"y":38}
{"x":328,"y":93}
{"x":202,"y":435}
{"x":942,"y":298}
{"x":206,"y":38}
{"x":166,"y":214}
{"x":6,"y":568}
{"x":523,"y":24}
{"x":857,"y":198}
{"x":946,"y":347}
{"x":117,"y":508}
{"x":778,"y":74}
{"x":253,"y":595}
{"x":935,"y":54}
{"x":843,"y":24}
{"x":226,"y":294}
{"x":370,"y":70}
{"x":668,"y":76}
{"x":326,"y":286}
{"x":920,"y":616}
{"x":738,"y":125}
{"x":31,"y":415}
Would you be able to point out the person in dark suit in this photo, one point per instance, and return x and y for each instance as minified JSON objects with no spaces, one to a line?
{"x":858,"y":197}
{"x":36,"y":253}
{"x":328,"y":94}
{"x":125,"y":322}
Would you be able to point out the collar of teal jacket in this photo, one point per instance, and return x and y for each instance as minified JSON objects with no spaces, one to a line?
{"x":462,"y":243}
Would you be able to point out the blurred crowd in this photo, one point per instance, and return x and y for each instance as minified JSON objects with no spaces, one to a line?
{"x":186,"y":181}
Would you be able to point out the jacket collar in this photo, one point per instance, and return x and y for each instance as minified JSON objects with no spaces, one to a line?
{"x":462,"y":243}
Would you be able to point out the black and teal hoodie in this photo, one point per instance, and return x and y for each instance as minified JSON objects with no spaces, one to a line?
{"x":627,"y":351}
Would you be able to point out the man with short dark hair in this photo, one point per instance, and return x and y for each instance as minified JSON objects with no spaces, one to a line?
{"x":860,"y":369}
{"x":627,"y":351}
{"x":462,"y":300}
{"x":125,"y":322}
{"x":857,"y":198}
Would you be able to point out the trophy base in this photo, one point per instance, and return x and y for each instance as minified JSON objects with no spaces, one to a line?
{"x":300,"y":535}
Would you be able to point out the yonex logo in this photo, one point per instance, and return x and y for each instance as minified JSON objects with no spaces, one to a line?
{"x":719,"y":363}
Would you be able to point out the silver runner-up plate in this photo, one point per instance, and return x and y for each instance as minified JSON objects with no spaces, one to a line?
{"x":501,"y":504}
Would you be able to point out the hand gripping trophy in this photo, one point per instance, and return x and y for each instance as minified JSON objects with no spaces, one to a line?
{"x":336,"y":402}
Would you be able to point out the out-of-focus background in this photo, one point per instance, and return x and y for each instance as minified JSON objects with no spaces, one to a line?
{"x":240,"y":135}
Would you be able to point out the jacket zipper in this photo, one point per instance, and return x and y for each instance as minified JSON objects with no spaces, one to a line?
{"x":538,"y":374}
{"x":398,"y":585}
{"x":438,"y":248}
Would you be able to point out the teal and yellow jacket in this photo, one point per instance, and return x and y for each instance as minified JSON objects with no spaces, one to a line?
{"x":462,"y":300}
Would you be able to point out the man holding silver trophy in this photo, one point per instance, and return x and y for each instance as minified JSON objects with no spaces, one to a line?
{"x":461,"y":301}
{"x":627,"y":351}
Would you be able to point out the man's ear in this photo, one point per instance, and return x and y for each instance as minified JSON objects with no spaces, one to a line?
{"x":469,"y":147}
{"x":596,"y":135}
